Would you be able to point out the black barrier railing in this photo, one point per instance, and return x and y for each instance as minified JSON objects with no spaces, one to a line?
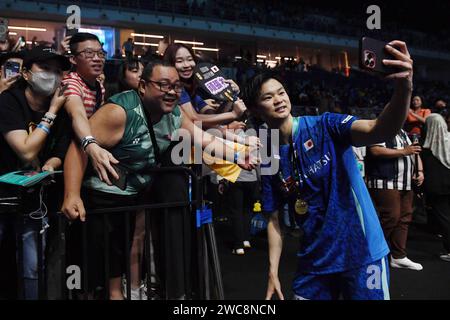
{"x":11,"y":207}
{"x":196,"y":284}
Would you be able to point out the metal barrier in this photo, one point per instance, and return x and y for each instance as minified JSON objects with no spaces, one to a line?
{"x":198,"y":285}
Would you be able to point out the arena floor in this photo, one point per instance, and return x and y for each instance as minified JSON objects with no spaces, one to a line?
{"x":245,"y":277}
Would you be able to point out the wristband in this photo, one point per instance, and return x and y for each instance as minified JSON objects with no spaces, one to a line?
{"x":86,"y":141}
{"x":42,"y":127}
{"x":50,"y":116}
{"x":47,"y":120}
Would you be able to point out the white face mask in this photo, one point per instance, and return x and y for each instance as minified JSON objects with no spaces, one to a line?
{"x":44,"y":83}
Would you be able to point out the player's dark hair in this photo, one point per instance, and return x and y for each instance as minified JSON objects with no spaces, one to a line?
{"x":252,"y":91}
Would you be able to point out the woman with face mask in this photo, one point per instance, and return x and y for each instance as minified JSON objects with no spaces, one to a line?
{"x":33,"y":136}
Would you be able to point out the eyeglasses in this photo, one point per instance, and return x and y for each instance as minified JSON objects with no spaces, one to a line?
{"x":166,"y":86}
{"x":89,"y":53}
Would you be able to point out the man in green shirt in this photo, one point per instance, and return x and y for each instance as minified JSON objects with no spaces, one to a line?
{"x":121,"y":127}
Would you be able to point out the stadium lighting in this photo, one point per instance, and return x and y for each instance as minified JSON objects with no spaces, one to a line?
{"x":189,"y":42}
{"x":238,"y":57}
{"x":13,"y":33}
{"x":27,"y":28}
{"x":205,"y":49}
{"x":259,"y":60}
{"x":261,"y":56}
{"x":271,"y":61}
{"x":278,"y":58}
{"x":147,"y":35}
{"x":146,"y":44}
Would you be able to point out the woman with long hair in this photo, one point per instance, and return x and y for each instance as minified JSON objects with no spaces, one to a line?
{"x":416,"y":117}
{"x":184,"y":60}
{"x":129,"y":74}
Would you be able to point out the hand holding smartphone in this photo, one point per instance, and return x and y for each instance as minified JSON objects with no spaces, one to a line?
{"x":11,"y":69}
{"x":121,"y":183}
{"x":371,"y":55}
{"x":71,"y":32}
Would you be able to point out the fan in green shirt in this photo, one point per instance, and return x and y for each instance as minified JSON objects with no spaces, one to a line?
{"x":121,"y":127}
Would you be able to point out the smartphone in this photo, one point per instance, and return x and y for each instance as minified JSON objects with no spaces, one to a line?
{"x":3,"y":29}
{"x":71,"y":32}
{"x":371,"y":55}
{"x":121,"y":183}
{"x":11,"y":68}
{"x":20,"y":44}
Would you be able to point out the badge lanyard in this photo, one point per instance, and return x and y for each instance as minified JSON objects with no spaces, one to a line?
{"x":301,"y":206}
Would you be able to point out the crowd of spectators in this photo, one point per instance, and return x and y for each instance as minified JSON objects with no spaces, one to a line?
{"x":42,"y":71}
{"x":343,"y":19}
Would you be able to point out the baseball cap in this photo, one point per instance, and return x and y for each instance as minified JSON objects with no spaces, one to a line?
{"x":41,"y":54}
{"x":10,"y":55}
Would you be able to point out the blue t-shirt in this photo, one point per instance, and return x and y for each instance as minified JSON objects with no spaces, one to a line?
{"x":197,"y":102}
{"x":341,"y":229}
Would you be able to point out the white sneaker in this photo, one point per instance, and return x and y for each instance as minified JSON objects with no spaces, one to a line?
{"x":445,"y":257}
{"x":405,"y":263}
{"x":247,"y":245}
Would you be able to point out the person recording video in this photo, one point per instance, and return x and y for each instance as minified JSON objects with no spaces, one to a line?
{"x":10,"y":67}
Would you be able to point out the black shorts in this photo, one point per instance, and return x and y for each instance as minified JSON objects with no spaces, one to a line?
{"x":104,"y":231}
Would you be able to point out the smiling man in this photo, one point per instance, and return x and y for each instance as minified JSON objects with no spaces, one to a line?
{"x":124,"y":126}
{"x":343,"y":250}
{"x":85,"y":95}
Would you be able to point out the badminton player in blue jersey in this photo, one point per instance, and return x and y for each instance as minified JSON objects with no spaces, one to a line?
{"x":343,"y":251}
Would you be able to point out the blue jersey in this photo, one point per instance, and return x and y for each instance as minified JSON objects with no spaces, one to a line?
{"x":197,"y":102}
{"x":341,"y":228}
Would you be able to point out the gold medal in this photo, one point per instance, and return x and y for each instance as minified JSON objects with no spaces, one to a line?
{"x":301,"y":207}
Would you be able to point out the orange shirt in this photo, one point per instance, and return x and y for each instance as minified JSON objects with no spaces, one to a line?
{"x":414,"y":126}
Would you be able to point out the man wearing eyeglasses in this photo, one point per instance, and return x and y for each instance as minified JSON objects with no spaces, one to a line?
{"x":124,"y":125}
{"x":85,"y":95}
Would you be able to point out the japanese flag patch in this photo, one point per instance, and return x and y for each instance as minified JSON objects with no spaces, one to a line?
{"x":308,"y":145}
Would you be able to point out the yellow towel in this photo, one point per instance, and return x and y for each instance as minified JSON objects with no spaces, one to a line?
{"x":228,"y":170}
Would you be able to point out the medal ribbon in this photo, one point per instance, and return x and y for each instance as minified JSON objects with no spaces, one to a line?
{"x":301,"y":207}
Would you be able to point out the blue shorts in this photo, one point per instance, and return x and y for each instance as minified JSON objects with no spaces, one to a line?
{"x":369,"y":282}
